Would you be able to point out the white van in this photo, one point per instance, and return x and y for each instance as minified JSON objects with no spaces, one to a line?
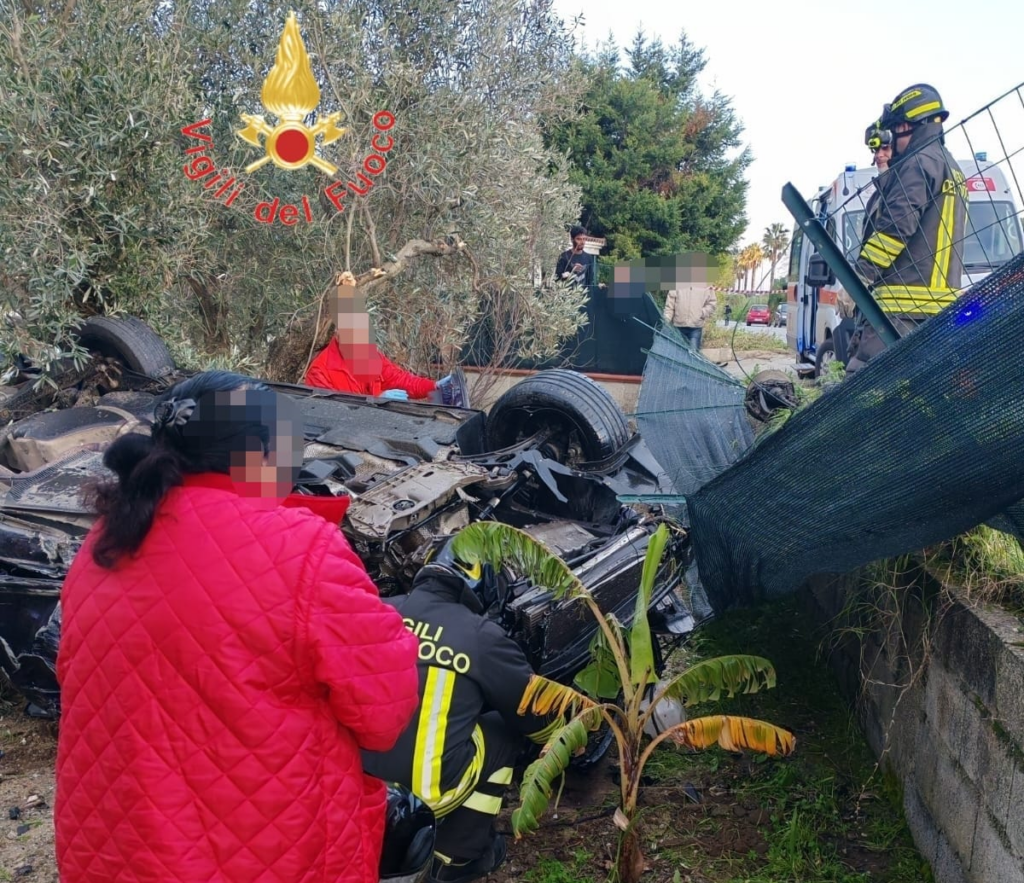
{"x":815,"y":329}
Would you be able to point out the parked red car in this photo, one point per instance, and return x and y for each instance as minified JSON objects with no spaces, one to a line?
{"x":759,"y":314}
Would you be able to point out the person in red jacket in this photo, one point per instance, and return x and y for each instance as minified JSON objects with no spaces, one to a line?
{"x":223,"y":661}
{"x":351,"y":362}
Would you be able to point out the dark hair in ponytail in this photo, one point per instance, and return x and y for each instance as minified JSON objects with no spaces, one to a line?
{"x":194,"y":431}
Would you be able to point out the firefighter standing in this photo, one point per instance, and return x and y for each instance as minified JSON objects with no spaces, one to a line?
{"x":879,"y":142}
{"x":458,"y":753}
{"x":912,"y":250}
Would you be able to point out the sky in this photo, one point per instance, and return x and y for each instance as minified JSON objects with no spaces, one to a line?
{"x":807,"y":78}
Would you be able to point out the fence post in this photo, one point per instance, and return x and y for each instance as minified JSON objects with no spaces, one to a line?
{"x":814,"y":231}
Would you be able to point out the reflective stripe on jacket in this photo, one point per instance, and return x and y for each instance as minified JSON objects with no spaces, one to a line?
{"x":467,"y":667}
{"x":912,"y":251}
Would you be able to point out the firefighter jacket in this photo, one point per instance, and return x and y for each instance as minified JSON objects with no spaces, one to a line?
{"x":912,"y":250}
{"x":846,"y":304}
{"x":467,"y":667}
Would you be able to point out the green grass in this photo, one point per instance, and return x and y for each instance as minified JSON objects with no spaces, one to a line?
{"x":827,"y":814}
{"x":552,"y":871}
{"x":829,"y":795}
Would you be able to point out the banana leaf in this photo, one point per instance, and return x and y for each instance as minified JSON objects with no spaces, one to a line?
{"x":733,"y":734}
{"x":641,"y":647}
{"x":707,"y":681}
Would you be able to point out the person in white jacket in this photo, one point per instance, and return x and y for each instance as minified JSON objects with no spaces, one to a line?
{"x":688,"y":307}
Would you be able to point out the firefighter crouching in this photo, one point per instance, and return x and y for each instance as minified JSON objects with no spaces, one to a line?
{"x":459,"y":751}
{"x":912,"y":250}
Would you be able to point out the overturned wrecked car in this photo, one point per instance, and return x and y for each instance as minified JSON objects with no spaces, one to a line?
{"x":553,"y":456}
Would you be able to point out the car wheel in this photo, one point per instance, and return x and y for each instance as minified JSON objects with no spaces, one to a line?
{"x":826,"y":354}
{"x":769,"y":391}
{"x":131,"y":340}
{"x":580,"y":418}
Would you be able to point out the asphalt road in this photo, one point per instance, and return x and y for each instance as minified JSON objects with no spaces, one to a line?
{"x":743,"y":369}
{"x":777,"y":333}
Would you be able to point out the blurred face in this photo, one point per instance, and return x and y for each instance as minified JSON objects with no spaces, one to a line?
{"x":903,"y":131}
{"x":578,"y":242}
{"x":353,"y":326}
{"x":883,"y":156}
{"x":695,"y":275}
{"x":353,"y":329}
{"x":270,"y":473}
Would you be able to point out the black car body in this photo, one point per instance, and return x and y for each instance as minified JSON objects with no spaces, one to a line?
{"x":552,"y":457}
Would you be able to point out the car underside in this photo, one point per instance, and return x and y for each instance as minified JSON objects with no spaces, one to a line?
{"x":552,"y":457}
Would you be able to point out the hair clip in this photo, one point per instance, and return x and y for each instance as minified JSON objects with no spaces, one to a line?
{"x":173,"y":413}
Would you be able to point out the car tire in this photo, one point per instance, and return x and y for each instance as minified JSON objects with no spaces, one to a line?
{"x":769,"y":391}
{"x":587,"y":422}
{"x":131,"y":340}
{"x":826,"y":353}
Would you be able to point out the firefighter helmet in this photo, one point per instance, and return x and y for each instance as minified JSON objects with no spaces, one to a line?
{"x":482,"y":586}
{"x":917,"y":104}
{"x":876,"y":137}
{"x":410,"y":829}
{"x":443,"y":556}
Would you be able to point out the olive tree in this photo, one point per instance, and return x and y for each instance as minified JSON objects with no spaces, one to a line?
{"x":97,"y":213}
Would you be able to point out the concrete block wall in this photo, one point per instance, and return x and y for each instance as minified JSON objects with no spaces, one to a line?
{"x":955,"y":736}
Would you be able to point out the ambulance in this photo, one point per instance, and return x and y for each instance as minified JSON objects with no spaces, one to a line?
{"x":816,"y":330}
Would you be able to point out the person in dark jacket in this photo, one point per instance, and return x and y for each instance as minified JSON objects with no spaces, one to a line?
{"x":879,"y":142}
{"x":459,"y":751}
{"x":911,"y":254}
{"x":574,"y":264}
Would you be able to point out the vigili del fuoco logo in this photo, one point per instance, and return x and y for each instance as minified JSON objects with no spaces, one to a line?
{"x":290,"y":93}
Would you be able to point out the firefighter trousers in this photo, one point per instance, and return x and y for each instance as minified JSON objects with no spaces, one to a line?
{"x":467,"y":832}
{"x":865,"y":343}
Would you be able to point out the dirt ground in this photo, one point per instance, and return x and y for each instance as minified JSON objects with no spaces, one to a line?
{"x":825,"y":815}
{"x":580,"y":836}
{"x":26,"y":797}
{"x":704,"y":830}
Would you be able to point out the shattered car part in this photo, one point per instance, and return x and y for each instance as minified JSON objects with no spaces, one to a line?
{"x":407,"y":498}
{"x":770,"y":391}
{"x":414,"y":472}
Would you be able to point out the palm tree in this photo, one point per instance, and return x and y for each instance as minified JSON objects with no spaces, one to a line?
{"x":775,"y":243}
{"x":622,"y":669}
{"x":752,"y":257}
{"x":736,"y":278}
{"x":742,"y":268}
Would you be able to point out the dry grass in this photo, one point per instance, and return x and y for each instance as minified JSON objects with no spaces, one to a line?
{"x":988,"y":565}
{"x":716,"y":335}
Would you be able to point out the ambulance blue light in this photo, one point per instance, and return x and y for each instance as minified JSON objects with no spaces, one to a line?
{"x":968,"y":312}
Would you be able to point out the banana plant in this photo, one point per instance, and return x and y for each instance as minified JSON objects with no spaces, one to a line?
{"x":618,"y":680}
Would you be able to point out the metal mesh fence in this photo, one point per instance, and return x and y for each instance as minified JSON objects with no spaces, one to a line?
{"x":690,"y":412}
{"x":919,"y":232}
{"x":923,"y":444}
